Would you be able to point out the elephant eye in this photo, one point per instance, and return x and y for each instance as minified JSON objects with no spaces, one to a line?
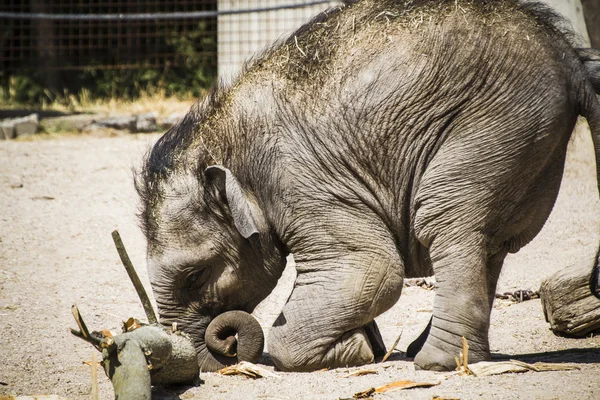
{"x":197,"y":278}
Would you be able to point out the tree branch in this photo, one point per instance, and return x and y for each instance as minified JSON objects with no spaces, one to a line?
{"x":83,"y":331}
{"x":137,"y":284}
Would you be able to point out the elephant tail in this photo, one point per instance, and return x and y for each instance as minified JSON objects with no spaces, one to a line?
{"x":590,"y":109}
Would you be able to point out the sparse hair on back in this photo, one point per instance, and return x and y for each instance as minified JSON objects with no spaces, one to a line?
{"x":319,"y":40}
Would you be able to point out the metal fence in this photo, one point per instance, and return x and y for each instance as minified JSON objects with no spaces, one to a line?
{"x":63,"y":35}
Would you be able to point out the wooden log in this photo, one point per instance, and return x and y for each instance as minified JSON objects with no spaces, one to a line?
{"x":149,"y":356}
{"x":568,"y":304}
{"x":143,"y":357}
{"x":128,"y":371}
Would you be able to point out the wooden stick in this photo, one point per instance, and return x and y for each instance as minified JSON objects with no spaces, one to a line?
{"x":137,"y":284}
{"x":82,"y":326}
{"x":83,"y":332}
{"x":464,"y":359}
{"x":94,"y":377}
{"x":389,"y":353}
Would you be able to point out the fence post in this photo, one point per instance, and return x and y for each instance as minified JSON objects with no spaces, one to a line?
{"x":45,"y":45}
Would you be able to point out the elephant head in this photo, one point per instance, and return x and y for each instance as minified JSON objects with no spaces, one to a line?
{"x":211,"y":259}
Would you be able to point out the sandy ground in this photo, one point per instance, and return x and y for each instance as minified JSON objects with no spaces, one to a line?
{"x":61,"y":197}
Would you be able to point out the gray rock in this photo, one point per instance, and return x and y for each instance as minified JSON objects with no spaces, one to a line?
{"x":68,"y":123}
{"x":125,"y":122}
{"x":94,"y":129}
{"x":17,"y":127}
{"x":132,"y":123}
{"x":146,"y":123}
{"x":6,"y":132}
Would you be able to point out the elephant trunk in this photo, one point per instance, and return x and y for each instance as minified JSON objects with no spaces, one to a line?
{"x":230,"y":337}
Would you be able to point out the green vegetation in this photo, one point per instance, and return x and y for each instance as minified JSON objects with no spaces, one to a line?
{"x":194,"y":72}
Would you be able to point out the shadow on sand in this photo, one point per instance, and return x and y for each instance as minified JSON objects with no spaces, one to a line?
{"x":23,"y":112}
{"x":568,"y":356}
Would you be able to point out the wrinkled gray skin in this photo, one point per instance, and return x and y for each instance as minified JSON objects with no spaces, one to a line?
{"x":380,"y":143}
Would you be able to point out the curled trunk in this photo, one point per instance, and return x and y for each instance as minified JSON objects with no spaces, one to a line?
{"x":231,"y":337}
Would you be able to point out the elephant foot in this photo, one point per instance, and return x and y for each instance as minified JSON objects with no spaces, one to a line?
{"x":434,"y":359}
{"x":352,"y":349}
{"x":417,"y":344}
{"x":375,"y":339}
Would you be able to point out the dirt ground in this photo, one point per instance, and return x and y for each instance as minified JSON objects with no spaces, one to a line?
{"x":60,"y":198}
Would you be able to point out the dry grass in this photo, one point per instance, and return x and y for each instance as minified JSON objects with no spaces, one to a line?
{"x":158,"y":103}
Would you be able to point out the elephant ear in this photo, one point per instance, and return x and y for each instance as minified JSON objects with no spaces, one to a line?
{"x":225,"y":183}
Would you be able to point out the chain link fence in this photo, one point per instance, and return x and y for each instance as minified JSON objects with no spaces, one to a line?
{"x":65,"y":43}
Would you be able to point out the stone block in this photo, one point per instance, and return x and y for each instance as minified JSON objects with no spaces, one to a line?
{"x":18,"y":127}
{"x":6,"y":131}
{"x":125,"y":122}
{"x":26,"y":126}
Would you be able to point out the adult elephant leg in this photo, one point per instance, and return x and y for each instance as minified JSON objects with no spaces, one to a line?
{"x":328,"y":319}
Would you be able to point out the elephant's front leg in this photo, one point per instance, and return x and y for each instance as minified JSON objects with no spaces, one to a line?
{"x":323,"y":323}
{"x":465,"y":277}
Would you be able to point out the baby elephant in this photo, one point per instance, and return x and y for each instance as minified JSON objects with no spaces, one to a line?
{"x":382,"y":140}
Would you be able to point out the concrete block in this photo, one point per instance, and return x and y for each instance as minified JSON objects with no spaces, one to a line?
{"x":26,"y":126}
{"x":126,"y":122}
{"x":68,"y":123}
{"x":6,"y":131}
{"x":17,"y":127}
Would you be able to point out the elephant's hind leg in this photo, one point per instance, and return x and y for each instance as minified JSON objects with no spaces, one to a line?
{"x":470,"y":217}
{"x":461,"y":306}
{"x":494,"y":268}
